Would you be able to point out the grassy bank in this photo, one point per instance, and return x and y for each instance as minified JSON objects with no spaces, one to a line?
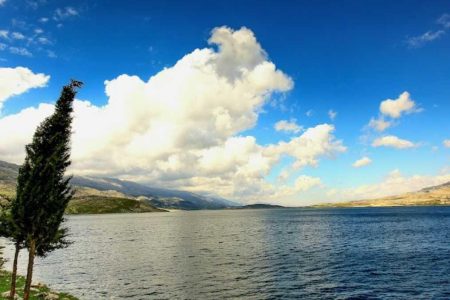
{"x":38,"y":293}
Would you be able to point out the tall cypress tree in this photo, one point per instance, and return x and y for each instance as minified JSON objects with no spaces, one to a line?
{"x":43,"y":191}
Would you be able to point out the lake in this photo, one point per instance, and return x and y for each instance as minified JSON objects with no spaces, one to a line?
{"x":351,"y":253}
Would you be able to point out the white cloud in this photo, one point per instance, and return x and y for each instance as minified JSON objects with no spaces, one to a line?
{"x":379,"y":124}
{"x":446,"y":143}
{"x":15,"y":81}
{"x":394,"y":108}
{"x":288,"y":126}
{"x":392,"y":141}
{"x":2,"y":2}
{"x":444,"y":20}
{"x":391,"y":109}
{"x":51,"y":54}
{"x":393,"y":184}
{"x":362,"y":162}
{"x":24,"y":124}
{"x":20,"y":51}
{"x":429,"y":36}
{"x":43,"y":20}
{"x":64,"y":13}
{"x":4,"y":34}
{"x":17,"y":36}
{"x":44,"y":40}
{"x":307,"y":148}
{"x":303,"y":183}
{"x":3,"y":46}
{"x":182,"y":127}
{"x":332,"y":114}
{"x":309,"y":113}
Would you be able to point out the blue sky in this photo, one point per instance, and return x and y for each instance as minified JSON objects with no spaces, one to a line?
{"x":344,"y":56}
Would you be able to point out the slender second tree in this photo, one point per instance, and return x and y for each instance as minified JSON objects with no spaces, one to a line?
{"x":9,"y":230}
{"x":43,"y":190}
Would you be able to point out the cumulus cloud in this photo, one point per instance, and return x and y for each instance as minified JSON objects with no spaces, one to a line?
{"x":183,"y":126}
{"x":307,"y":148}
{"x":15,"y":81}
{"x":394,"y":183}
{"x":446,"y":143}
{"x":393,"y":142}
{"x":24,"y":124}
{"x":362,"y":162}
{"x":288,"y":126}
{"x":394,"y":108}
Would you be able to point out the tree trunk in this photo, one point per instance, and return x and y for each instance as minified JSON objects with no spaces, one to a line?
{"x":14,"y":271}
{"x":31,"y":254}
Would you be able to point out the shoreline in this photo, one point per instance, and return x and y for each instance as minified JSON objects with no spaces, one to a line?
{"x":38,"y":290}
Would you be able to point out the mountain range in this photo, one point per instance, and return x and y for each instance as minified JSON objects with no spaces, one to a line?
{"x":102,"y":188}
{"x":103,"y":194}
{"x":435,"y":195}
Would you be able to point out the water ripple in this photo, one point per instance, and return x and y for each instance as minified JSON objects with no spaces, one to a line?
{"x":376,"y":253}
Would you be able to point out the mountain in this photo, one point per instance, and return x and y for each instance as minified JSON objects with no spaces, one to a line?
{"x":8,"y":175}
{"x":8,"y":172}
{"x":435,"y":195}
{"x":116,"y":188}
{"x":159,"y":197}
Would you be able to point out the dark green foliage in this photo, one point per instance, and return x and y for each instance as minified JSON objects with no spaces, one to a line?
{"x":43,"y":191}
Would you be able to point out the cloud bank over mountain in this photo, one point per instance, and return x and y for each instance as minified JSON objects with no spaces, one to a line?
{"x":183,"y":126}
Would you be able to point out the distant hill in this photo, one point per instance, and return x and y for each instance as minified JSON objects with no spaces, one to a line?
{"x":435,"y":195}
{"x":259,"y":206}
{"x":8,"y":172}
{"x":115,"y":188}
{"x":102,"y":205}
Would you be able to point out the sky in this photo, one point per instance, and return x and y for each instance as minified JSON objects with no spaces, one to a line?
{"x":284,"y":102}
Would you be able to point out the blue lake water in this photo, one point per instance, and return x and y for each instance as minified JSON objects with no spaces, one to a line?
{"x":359,"y":253}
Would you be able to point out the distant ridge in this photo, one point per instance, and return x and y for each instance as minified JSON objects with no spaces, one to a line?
{"x":160,"y":197}
{"x":258,"y":206}
{"x":434,"y":195}
{"x":115,"y":188}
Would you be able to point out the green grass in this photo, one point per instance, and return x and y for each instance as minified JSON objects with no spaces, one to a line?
{"x":5,"y":281}
{"x":103,"y":205}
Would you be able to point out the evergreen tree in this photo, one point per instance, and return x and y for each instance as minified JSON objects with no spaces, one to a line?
{"x":9,"y":230}
{"x":43,"y":191}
